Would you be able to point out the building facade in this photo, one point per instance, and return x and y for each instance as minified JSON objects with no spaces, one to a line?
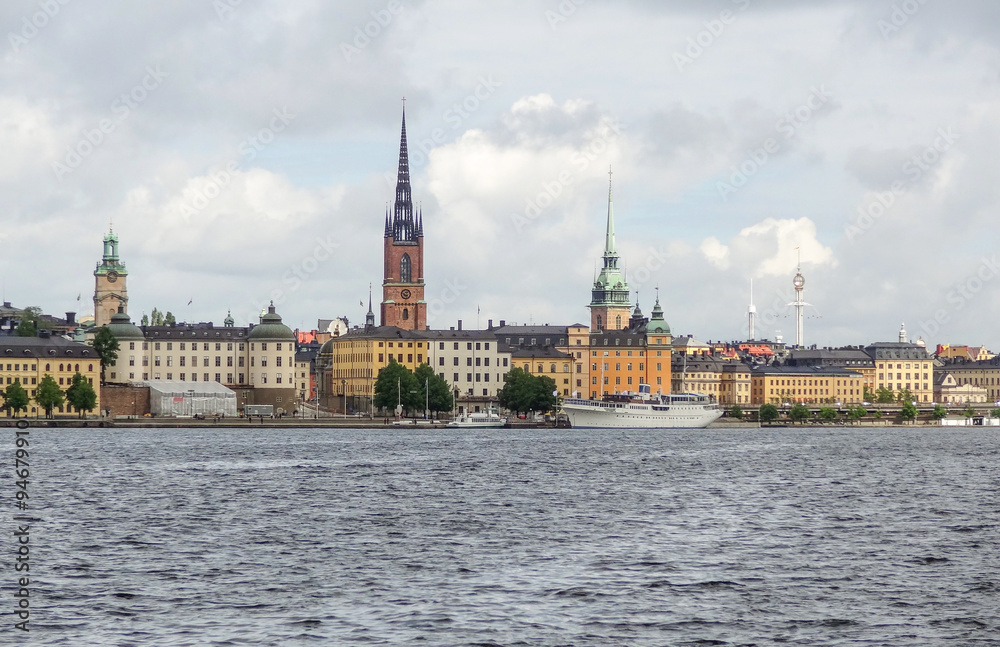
{"x":26,"y":360}
{"x":780,"y":385}
{"x":903,"y":366}
{"x":610,"y":306}
{"x":110,"y":277}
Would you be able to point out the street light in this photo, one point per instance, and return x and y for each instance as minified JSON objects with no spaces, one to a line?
{"x":344,"y":385}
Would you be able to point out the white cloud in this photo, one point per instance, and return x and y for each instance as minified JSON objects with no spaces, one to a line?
{"x":771,"y":247}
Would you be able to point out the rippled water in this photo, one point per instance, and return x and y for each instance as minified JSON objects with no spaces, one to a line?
{"x":499,"y":537}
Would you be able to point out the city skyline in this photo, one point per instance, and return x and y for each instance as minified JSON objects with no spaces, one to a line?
{"x":869,"y":151}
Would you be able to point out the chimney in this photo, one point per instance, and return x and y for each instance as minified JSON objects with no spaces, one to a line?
{"x":489,"y":324}
{"x":71,"y":318}
{"x":502,"y":323}
{"x":459,"y":324}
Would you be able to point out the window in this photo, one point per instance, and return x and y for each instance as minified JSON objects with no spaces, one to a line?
{"x":278,"y":360}
{"x":278,"y":345}
{"x":440,"y":361}
{"x":170,"y":345}
{"x":405,"y":272}
{"x":406,"y":314}
{"x":131,"y":345}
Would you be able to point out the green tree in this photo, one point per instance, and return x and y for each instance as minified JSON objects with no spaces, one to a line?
{"x":877,"y":414}
{"x":545,"y":394}
{"x":156,"y":319}
{"x":81,"y":395}
{"x":868,"y":395}
{"x":884,"y":395}
{"x":28,"y":325}
{"x":735,"y":411}
{"x":15,"y":398}
{"x":145,"y":319}
{"x":908,"y":412}
{"x":799,"y":412}
{"x":517,"y":391}
{"x":904,"y":396}
{"x":828,"y":414}
{"x":938,"y":412}
{"x":396,"y":384}
{"x":857,"y":413}
{"x":767,"y":414}
{"x":49,"y":395}
{"x":434,"y":391}
{"x":169,"y":319}
{"x":968,"y":411}
{"x":107,"y":348}
{"x":995,"y":413}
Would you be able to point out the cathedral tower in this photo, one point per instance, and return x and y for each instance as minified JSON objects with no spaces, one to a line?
{"x":609,"y":304}
{"x":403,"y":302}
{"x":109,"y":288}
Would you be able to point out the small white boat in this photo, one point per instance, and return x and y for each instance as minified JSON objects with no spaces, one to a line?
{"x":479,"y":419}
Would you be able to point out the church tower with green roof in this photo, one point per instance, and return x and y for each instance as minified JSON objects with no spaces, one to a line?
{"x":609,"y":304}
{"x":109,"y":287}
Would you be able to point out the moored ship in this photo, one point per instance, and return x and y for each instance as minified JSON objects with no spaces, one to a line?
{"x":643,"y":411}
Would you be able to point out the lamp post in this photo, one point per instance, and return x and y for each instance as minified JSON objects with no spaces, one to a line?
{"x":344,"y":386}
{"x":427,"y":396}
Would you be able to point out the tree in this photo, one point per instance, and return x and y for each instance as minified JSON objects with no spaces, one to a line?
{"x":995,"y":413}
{"x":525,"y":392}
{"x":908,"y":412}
{"x":15,"y":398}
{"x":156,"y":319}
{"x":81,"y":395}
{"x":107,"y":348}
{"x":968,"y":411}
{"x":940,"y":412}
{"x":904,"y":396}
{"x":169,"y":319}
{"x":768,"y":413}
{"x":877,"y":414}
{"x":868,"y":395}
{"x":394,"y":385}
{"x":857,"y":413}
{"x":884,"y":395}
{"x":799,"y":412}
{"x":735,"y":412}
{"x":438,"y":394}
{"x":145,"y":319}
{"x":545,"y":394}
{"x":828,"y":414}
{"x":28,"y":326}
{"x":49,"y":395}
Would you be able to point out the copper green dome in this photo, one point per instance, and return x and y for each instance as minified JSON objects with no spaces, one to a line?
{"x":270,"y":328}
{"x":657,"y":325}
{"x":123,"y":328}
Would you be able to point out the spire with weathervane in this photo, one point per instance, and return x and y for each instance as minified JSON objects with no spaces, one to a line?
{"x":609,"y":304}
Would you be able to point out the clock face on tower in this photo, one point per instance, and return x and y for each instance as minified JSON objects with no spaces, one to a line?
{"x":405,"y":293}
{"x":112,"y":276}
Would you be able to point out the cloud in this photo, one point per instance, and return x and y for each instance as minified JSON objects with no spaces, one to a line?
{"x":771,"y":247}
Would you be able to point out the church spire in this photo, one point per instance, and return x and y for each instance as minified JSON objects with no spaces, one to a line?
{"x":609,"y":235}
{"x":402,"y":226}
{"x":370,"y":317}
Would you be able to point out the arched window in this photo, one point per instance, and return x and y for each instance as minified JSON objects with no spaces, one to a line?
{"x":404,"y":269}
{"x":46,"y":368}
{"x":406,"y":314}
{"x":61,"y":367}
{"x":600,"y":322}
{"x":90,"y":367}
{"x":77,"y":369}
{"x":618,"y":322}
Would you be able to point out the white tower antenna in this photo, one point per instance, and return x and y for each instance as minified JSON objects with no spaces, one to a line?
{"x":799,"y":282}
{"x":751,"y":313}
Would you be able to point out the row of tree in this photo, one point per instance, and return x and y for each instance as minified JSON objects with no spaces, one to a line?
{"x":397,"y":386}
{"x":159,"y":319}
{"x":800,"y":412}
{"x":80,"y":394}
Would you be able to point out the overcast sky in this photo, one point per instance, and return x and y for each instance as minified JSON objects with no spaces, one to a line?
{"x":246,"y":150}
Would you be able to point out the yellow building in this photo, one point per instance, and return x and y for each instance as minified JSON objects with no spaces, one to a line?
{"x":791,"y":384}
{"x":28,"y":359}
{"x":901,"y":366}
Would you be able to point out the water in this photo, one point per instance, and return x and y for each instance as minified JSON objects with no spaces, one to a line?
{"x":499,"y":537}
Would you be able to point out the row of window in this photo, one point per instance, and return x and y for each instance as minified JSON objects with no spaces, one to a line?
{"x":48,"y":367}
{"x":205,"y":346}
{"x":899,"y":376}
{"x":468,"y":345}
{"x":480,"y":361}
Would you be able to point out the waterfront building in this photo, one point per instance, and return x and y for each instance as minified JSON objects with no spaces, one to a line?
{"x":27,"y":360}
{"x":849,"y":357}
{"x":110,"y":277}
{"x":984,"y":374}
{"x":949,"y":391}
{"x":903,"y":366}
{"x":403,"y":305}
{"x":974,"y":353}
{"x":472,"y":362}
{"x":688,"y":345}
{"x":810,"y":385}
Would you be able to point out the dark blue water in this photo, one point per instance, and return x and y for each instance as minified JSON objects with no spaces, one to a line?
{"x":498,"y":537}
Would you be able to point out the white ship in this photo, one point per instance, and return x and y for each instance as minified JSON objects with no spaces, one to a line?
{"x":643,"y":411}
{"x":479,"y":419}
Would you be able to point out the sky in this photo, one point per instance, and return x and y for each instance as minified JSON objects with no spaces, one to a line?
{"x":245,"y":151}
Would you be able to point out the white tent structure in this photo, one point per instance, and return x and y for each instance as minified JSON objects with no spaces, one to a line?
{"x":188,"y":399}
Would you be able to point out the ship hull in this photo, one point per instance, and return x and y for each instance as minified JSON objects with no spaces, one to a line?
{"x":592,"y":414}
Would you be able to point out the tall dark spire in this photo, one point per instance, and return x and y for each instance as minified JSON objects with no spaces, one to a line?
{"x":403,"y":227}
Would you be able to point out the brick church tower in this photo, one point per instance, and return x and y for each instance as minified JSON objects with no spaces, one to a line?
{"x":403,"y":302}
